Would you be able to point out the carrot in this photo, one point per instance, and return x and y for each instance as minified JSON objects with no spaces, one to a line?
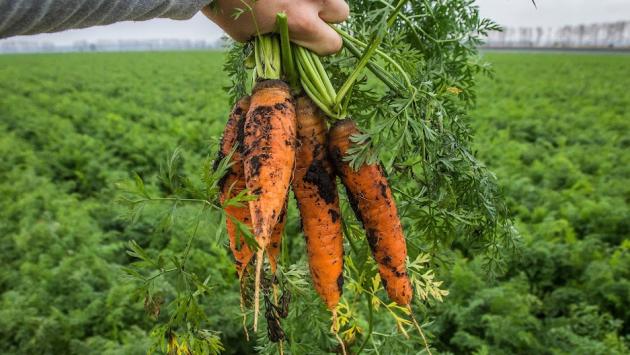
{"x":316,"y":193}
{"x":273,"y":249}
{"x":269,"y":156}
{"x":269,"y":153}
{"x":371,"y":199}
{"x":232,"y":183}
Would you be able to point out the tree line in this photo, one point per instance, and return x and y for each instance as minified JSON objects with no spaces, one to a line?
{"x":602,"y":35}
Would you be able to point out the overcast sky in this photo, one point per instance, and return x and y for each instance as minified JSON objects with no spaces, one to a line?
{"x":506,"y":12}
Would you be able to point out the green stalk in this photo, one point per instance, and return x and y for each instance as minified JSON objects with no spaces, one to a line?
{"x":343,"y":105}
{"x":322,"y":73}
{"x":267,"y":54}
{"x":288,"y":63}
{"x":269,"y":50}
{"x":257,"y":58}
{"x":264,"y":57}
{"x":314,"y":94}
{"x":350,"y":41}
{"x":313,"y":75}
{"x":319,"y":104}
{"x":311,"y":88}
{"x":376,"y":41}
{"x":377,"y":70}
{"x":276,"y":55}
{"x":370,"y":324}
{"x":307,"y":65}
{"x":307,"y":84}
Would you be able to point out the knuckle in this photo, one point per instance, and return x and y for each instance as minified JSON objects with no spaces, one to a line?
{"x":333,"y":45}
{"x":344,"y":10}
{"x":337,"y":43}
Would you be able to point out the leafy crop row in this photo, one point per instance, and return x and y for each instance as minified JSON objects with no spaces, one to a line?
{"x":552,"y":127}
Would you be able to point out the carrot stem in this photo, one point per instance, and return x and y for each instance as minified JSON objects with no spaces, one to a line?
{"x":312,"y":94}
{"x":350,"y":43}
{"x":376,"y":69}
{"x":244,"y":320}
{"x":316,"y":83}
{"x":369,"y":51}
{"x":313,"y":75}
{"x":322,"y":72}
{"x":335,"y":330}
{"x":267,"y":55}
{"x":370,"y":324}
{"x":275,"y":301}
{"x":259,"y":262}
{"x":288,"y":63}
{"x":419,"y":328}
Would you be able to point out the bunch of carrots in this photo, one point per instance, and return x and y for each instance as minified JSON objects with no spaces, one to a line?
{"x":291,"y":134}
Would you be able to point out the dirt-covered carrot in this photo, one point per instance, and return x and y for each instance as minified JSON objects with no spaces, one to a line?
{"x":232,"y":183}
{"x":269,"y":141}
{"x":316,"y":193}
{"x":273,"y":249}
{"x":371,"y":199}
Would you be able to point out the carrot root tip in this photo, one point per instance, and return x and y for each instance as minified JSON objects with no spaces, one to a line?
{"x":259,"y":262}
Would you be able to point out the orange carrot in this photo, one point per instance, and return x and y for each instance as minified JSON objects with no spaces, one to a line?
{"x":269,"y":141}
{"x":316,"y":193}
{"x":233,"y":183}
{"x":371,"y":199}
{"x":273,"y":249}
{"x":269,"y":153}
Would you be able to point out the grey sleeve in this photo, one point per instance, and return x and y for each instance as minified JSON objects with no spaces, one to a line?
{"x":25,"y":17}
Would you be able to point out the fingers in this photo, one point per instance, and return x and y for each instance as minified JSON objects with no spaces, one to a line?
{"x":334,"y":11}
{"x":308,"y":20}
{"x":315,"y":34}
{"x":312,"y":30}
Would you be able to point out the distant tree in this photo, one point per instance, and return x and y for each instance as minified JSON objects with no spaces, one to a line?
{"x":580,"y":31}
{"x":585,"y":35}
{"x":539,"y":35}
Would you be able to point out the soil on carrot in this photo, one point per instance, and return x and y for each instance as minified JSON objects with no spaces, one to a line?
{"x":334,"y":215}
{"x":340,"y":283}
{"x":318,"y":176}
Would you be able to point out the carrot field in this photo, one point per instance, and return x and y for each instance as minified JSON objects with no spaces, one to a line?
{"x":76,"y":130}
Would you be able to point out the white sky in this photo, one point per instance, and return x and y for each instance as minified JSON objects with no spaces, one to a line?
{"x":550,"y":13}
{"x":554,"y":13}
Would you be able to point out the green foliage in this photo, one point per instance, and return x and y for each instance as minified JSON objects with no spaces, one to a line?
{"x":556,"y":137}
{"x":417,"y":123}
{"x":73,"y":126}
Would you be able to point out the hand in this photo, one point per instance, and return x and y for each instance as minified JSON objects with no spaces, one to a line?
{"x":307,"y":20}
